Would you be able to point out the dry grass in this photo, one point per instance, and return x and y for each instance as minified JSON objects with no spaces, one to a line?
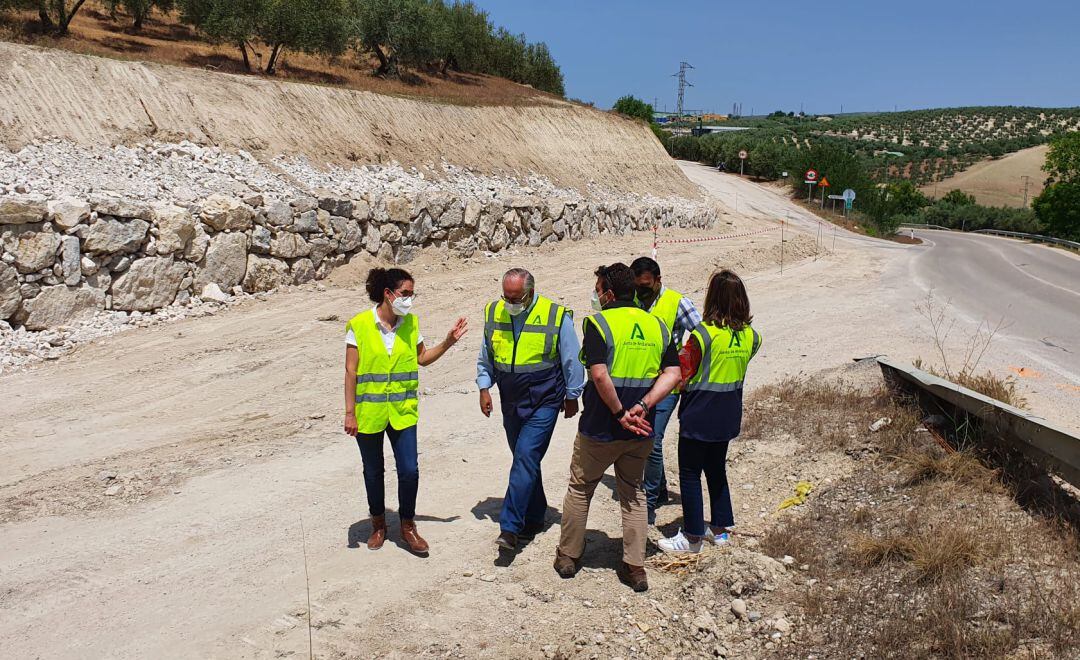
{"x":922,"y":552}
{"x":165,"y":40}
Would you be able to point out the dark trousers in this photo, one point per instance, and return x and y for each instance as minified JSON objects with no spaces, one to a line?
{"x":403,"y":443}
{"x":696,"y":457}
{"x":525,"y":502}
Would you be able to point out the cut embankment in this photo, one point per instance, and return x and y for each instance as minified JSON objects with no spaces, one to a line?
{"x":999,"y":182}
{"x":91,"y":100}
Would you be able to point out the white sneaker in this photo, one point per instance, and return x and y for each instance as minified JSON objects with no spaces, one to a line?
{"x":679,"y":544}
{"x":716,"y":539}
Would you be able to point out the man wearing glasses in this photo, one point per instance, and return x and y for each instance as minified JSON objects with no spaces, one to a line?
{"x":530,"y":351}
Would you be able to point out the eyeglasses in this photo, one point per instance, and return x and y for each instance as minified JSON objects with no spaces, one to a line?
{"x":522,"y":299}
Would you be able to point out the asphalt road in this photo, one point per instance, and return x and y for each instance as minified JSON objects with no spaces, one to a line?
{"x":1033,"y":289}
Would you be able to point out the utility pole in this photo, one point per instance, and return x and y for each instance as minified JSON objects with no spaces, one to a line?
{"x":683,"y":84}
{"x":1027,"y":182}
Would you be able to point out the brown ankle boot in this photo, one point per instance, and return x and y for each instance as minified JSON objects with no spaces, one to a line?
{"x":409,"y":534}
{"x":378,"y":533}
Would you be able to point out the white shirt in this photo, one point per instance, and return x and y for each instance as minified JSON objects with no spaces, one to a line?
{"x":388,"y":334}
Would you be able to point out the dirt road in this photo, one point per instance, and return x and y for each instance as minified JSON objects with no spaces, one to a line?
{"x":222,"y":433}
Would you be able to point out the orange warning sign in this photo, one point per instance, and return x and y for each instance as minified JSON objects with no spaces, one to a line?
{"x":824,"y":182}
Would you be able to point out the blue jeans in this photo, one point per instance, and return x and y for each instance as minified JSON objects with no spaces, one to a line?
{"x":525,"y":502}
{"x":403,"y":443}
{"x":655,"y":481}
{"x":696,"y":457}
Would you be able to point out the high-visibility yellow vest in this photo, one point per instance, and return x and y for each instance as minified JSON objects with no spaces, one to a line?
{"x":711,"y":406}
{"x":535,"y":348}
{"x":666,"y":308}
{"x":636,"y":341}
{"x":386,"y":385}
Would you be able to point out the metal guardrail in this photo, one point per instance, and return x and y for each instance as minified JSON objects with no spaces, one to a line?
{"x":1038,"y":238}
{"x":1048,"y":445}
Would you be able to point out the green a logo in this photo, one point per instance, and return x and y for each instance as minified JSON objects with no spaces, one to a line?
{"x":536,"y":320}
{"x":636,"y":333}
{"x":735,"y":341}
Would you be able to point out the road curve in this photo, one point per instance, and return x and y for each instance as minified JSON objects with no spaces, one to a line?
{"x":1035,"y":289}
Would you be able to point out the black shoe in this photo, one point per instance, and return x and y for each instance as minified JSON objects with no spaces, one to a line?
{"x":662,"y":497}
{"x":652,"y":516}
{"x":507,"y":541}
{"x":532,"y":529}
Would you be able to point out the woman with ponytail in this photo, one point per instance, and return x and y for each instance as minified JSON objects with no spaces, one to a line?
{"x":383,"y":351}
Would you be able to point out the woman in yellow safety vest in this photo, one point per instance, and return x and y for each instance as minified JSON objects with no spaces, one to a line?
{"x":383,"y":349}
{"x":713,"y":363}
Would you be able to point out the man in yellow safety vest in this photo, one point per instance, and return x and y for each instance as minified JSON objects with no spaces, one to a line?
{"x":530,"y":352}
{"x":632,"y":366}
{"x":681,"y":316}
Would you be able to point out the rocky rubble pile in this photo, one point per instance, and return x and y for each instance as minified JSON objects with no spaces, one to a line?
{"x":137,"y":229}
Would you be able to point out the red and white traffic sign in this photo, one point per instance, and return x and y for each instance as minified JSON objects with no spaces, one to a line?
{"x":811,"y":175}
{"x":743,"y":154}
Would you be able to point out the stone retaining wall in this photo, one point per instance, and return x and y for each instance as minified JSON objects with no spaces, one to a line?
{"x":64,"y":259}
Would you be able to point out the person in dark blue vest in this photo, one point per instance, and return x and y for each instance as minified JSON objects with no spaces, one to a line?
{"x":530,"y":352}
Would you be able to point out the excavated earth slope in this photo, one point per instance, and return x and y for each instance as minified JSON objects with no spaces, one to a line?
{"x":92,"y":100}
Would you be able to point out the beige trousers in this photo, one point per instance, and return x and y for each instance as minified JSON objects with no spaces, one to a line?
{"x":590,"y":460}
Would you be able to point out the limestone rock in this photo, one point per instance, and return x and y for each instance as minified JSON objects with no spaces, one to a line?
{"x":320,"y":247}
{"x":452,"y":216}
{"x":33,"y":250}
{"x":462,"y":242}
{"x":407,"y":253}
{"x":150,"y":283}
{"x":221,"y":212}
{"x":120,"y":208}
{"x":57,"y":305}
{"x":22,"y":210}
{"x":71,"y":260}
{"x":372,"y":239}
{"x":420,"y":229}
{"x":386,"y":253}
{"x":279,"y":214}
{"x":398,"y":209}
{"x":176,"y":228}
{"x":471,"y":216}
{"x":225,"y":262}
{"x":10,"y":295}
{"x":306,"y":222}
{"x":304,"y":204}
{"x":265,"y":273}
{"x":303,"y":270}
{"x":260,"y":239}
{"x":289,"y":246}
{"x":390,"y":233}
{"x":361,"y":211}
{"x":335,"y":206}
{"x":213,"y":293}
{"x":68,"y":212}
{"x":348,"y":233}
{"x":196,"y":249}
{"x":500,"y":239}
{"x":111,"y":236}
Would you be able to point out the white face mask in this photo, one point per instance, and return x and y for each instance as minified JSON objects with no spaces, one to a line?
{"x":514,"y":309}
{"x":596,"y":302}
{"x":402,"y":305}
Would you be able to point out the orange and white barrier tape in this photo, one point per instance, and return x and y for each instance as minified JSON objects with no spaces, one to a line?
{"x":657,"y":241}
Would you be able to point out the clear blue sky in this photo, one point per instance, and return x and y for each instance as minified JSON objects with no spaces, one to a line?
{"x":864,"y":54}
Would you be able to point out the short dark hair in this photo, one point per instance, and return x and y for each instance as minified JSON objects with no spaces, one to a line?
{"x":617,"y":278}
{"x":726,"y":303}
{"x":381,"y":279}
{"x":643,"y":265}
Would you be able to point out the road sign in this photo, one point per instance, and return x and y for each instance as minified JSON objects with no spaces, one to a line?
{"x":811,"y":175}
{"x":824,"y":182}
{"x":836,"y":197}
{"x":743,"y":154}
{"x":849,"y":195}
